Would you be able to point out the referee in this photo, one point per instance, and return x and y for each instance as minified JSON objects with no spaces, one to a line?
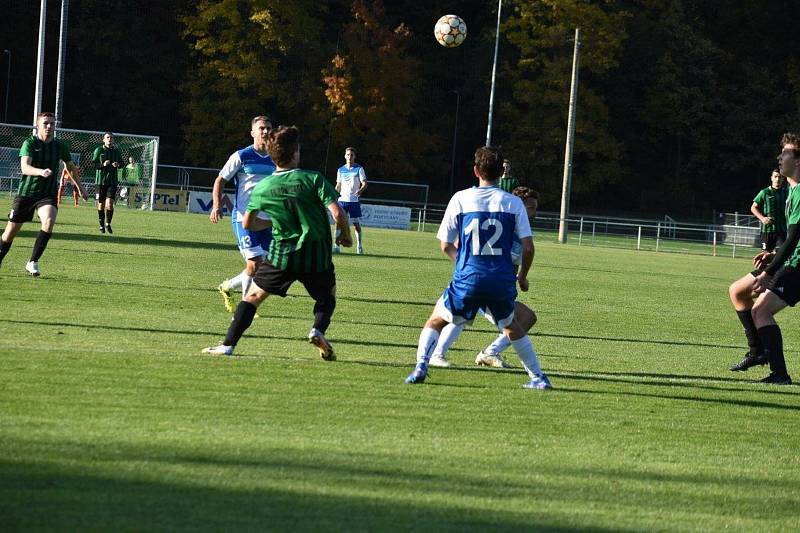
{"x":40,"y":157}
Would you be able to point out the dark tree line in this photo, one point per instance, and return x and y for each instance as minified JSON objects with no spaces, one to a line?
{"x":680,"y":107}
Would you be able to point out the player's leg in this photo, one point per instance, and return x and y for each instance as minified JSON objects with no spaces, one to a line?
{"x":75,"y":193}
{"x":11,"y":230}
{"x":520,"y":340}
{"x":355,"y":216}
{"x":111,"y":197}
{"x":246,"y":310}
{"x":741,"y":295}
{"x":491,"y":355}
{"x":322,"y":288}
{"x":100,"y":197}
{"x":447,"y":337}
{"x":47,"y":212}
{"x":784,"y":291}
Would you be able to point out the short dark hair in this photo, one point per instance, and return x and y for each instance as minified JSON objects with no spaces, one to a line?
{"x":489,"y":162}
{"x":45,"y":114}
{"x":526,"y":192}
{"x":791,"y":138}
{"x":282,"y":144}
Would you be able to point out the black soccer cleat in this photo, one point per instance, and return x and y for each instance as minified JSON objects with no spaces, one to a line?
{"x":102,"y":229}
{"x":748,"y":361}
{"x":777,"y":379}
{"x":108,"y":228}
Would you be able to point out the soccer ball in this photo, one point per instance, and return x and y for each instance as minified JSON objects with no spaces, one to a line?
{"x":450,"y":31}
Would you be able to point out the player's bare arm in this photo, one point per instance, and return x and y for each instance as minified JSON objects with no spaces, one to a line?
{"x":449,"y":249}
{"x":361,"y":189}
{"x":216,"y":200}
{"x":759,"y":215}
{"x":253,"y":223}
{"x":342,"y":224}
{"x":528,"y":252}
{"x":29,"y":170}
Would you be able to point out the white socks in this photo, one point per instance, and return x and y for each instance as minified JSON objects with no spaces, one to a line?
{"x":236,"y":281}
{"x":498,"y":345}
{"x":427,"y":341}
{"x":527,"y":354}
{"x":447,"y":337}
{"x":246,"y":282}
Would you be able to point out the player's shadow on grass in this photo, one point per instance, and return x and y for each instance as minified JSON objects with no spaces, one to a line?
{"x":144,"y":241}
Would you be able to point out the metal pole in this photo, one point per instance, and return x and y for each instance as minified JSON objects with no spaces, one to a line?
{"x":573,"y":101}
{"x":8,"y":84}
{"x":455,"y":139}
{"x":62,"y":54}
{"x":494,"y":72}
{"x":37,"y":97}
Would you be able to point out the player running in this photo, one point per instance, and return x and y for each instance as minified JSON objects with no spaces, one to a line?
{"x":483,"y":220}
{"x":246,"y":167}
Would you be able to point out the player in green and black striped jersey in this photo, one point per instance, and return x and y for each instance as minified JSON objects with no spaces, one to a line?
{"x":40,"y":157}
{"x":296,"y":201}
{"x":108,"y":160}
{"x":769,"y":207}
{"x":507,"y":182}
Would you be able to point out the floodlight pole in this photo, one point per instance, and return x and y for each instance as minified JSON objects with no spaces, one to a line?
{"x":455,"y":139}
{"x":573,"y":101}
{"x":8,"y":84}
{"x":494,"y":73}
{"x":37,"y":96}
{"x":62,"y":53}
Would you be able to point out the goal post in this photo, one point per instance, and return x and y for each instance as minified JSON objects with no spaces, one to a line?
{"x":82,"y":143}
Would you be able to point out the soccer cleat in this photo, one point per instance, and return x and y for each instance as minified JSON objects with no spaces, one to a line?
{"x":336,"y":249}
{"x":539,"y":382}
{"x":225,"y":290}
{"x":439,"y":361}
{"x":219,"y":350}
{"x":316,"y":338}
{"x":748,"y":361}
{"x":777,"y":379}
{"x":418,"y":375}
{"x":108,"y":228}
{"x":360,"y":250}
{"x":494,"y":360}
{"x":102,"y":229}
{"x":33,"y":268}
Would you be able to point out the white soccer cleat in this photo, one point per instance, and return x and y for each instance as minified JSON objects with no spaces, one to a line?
{"x":219,"y":350}
{"x":439,"y":361}
{"x":316,"y":338}
{"x":33,"y":268}
{"x":494,"y":360}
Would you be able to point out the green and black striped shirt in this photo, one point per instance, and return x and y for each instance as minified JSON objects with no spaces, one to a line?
{"x":296,"y":201}
{"x":43,"y":155}
{"x":772,"y":203}
{"x":107,"y":175}
{"x":508,"y":183}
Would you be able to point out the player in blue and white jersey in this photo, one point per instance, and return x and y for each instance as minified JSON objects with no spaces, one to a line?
{"x":351,"y":181}
{"x":491,"y":355}
{"x":484,"y":221}
{"x":246,"y":167}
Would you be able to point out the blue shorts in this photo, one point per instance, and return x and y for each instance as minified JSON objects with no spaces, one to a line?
{"x":458,"y":308}
{"x":252,"y":243}
{"x":353,"y":209}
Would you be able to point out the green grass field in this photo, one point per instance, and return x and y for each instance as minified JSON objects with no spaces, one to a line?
{"x":111,"y":419}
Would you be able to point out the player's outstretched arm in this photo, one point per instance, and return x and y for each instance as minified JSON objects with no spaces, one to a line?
{"x":342,"y":224}
{"x":74,"y":175}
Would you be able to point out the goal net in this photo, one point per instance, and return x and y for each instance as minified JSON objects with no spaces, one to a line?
{"x":82,"y":143}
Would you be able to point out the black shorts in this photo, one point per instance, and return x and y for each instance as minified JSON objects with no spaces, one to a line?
{"x":771,"y":241}
{"x":786,"y":285}
{"x":106,"y":191}
{"x":23,"y":208}
{"x":319,"y":285}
